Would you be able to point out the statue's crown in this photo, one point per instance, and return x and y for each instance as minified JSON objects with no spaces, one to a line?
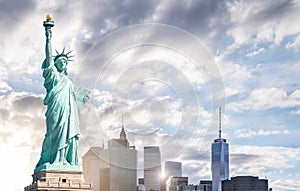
{"x":63,"y":54}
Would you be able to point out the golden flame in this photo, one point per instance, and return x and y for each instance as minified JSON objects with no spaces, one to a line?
{"x":49,"y":17}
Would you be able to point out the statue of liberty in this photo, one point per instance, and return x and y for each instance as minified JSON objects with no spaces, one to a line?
{"x":60,"y":145}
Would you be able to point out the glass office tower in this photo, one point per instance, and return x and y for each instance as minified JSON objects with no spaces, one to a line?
{"x":219,"y":160}
{"x":219,"y":163}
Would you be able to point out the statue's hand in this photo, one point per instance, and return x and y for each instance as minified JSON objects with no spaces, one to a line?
{"x":86,"y":98}
{"x":48,"y":33}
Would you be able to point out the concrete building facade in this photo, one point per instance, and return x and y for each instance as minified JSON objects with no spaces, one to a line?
{"x":91,"y":166}
{"x":152,"y":168}
{"x":190,"y":187}
{"x":173,"y":183}
{"x":114,"y":168}
{"x":141,"y":186}
{"x":171,"y":168}
{"x":46,"y":180}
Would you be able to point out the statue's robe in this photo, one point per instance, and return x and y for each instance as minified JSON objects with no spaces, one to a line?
{"x":61,"y":119}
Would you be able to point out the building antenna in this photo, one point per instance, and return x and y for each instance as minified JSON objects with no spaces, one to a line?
{"x":122,"y":120}
{"x":220,"y":123}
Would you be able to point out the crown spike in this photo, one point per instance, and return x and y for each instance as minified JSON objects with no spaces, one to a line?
{"x":69,"y":52}
{"x":56,"y":51}
{"x":63,"y":50}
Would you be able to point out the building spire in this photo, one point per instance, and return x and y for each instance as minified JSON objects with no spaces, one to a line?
{"x":122,"y":133}
{"x":220,"y":139}
{"x":220,"y":123}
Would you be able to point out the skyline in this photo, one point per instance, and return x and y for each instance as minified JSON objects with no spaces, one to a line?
{"x":253,"y":45}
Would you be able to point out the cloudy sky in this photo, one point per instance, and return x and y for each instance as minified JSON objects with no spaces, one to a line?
{"x":165,"y":66}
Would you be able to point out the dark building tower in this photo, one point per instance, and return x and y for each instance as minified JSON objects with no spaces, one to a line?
{"x":205,"y":185}
{"x":245,"y":183}
{"x":219,"y":160}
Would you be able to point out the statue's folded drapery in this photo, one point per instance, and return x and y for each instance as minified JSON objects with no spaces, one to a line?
{"x":61,"y":140}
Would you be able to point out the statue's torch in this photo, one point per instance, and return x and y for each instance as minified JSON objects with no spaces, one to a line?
{"x":48,"y":23}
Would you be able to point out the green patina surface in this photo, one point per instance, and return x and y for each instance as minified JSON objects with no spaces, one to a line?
{"x":60,"y":145}
{"x":74,"y":168}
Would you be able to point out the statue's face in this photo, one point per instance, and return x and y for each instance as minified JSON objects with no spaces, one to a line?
{"x":61,"y":64}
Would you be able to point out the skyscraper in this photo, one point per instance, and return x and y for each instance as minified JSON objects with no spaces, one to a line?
{"x":114,"y":168}
{"x":152,"y":168}
{"x":173,"y":169}
{"x":219,"y":160}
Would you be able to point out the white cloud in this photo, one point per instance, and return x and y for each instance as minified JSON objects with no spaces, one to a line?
{"x":266,"y":98}
{"x":232,"y":92}
{"x":255,"y":52}
{"x":244,"y":133}
{"x":292,"y":183}
{"x":21,"y":133}
{"x":296,"y":112}
{"x":263,"y":21}
{"x":295,"y":95}
{"x":272,"y":162}
{"x":294,"y":44}
{"x":4,"y":86}
{"x":142,"y":114}
{"x":287,"y":156}
{"x":233,"y":73}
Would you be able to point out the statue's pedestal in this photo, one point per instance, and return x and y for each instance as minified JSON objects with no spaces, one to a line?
{"x":47,"y":180}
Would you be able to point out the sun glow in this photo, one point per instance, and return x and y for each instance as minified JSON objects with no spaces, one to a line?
{"x":162,"y":175}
